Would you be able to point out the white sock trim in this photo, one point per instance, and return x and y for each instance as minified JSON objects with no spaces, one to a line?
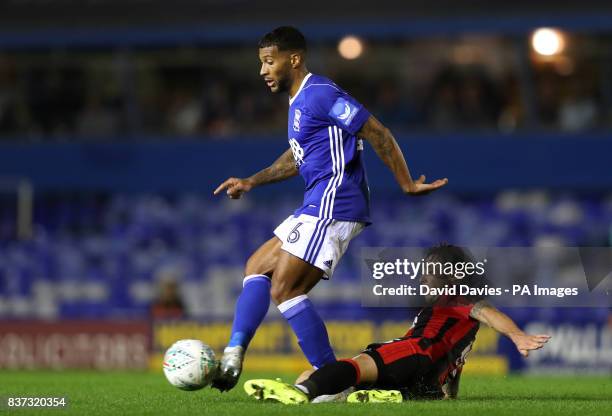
{"x":252,"y":276}
{"x":290,"y":303}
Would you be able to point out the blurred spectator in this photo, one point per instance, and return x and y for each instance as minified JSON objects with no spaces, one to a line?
{"x":97,"y":120}
{"x":548,"y":99}
{"x":55,"y":97}
{"x":168,"y":304}
{"x":222,"y":117}
{"x":390,"y":107}
{"x":442,"y":103}
{"x":479,"y":103}
{"x":185,"y":114}
{"x":579,"y":110}
{"x":512,"y":112}
{"x":8,"y":97}
{"x":463,"y":97}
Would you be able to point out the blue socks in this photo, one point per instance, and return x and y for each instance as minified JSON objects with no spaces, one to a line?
{"x":251,"y":309}
{"x":310,"y":330}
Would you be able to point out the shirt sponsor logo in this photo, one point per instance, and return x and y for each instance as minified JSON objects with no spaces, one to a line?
{"x":343,"y":111}
{"x":298,"y":152}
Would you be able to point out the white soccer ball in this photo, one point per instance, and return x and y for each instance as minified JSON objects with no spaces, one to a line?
{"x":189,"y":364}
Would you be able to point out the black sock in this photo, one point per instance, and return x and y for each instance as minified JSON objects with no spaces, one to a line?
{"x":332,"y":378}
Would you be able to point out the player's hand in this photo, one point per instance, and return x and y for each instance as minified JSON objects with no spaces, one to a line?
{"x":525,"y":342}
{"x":419,"y":187}
{"x":235,"y":187}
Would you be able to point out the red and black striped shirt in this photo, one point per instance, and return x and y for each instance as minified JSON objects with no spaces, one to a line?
{"x":445,"y":333}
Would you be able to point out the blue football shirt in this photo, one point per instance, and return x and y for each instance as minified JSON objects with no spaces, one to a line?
{"x":323,"y":125}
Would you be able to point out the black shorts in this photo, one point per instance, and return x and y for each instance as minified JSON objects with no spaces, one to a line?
{"x":402,"y":366}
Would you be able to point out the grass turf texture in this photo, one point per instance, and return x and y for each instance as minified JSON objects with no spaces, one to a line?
{"x":112,"y":393}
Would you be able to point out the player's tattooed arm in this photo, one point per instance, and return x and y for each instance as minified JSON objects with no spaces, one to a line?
{"x":486,"y":313}
{"x":389,"y":152}
{"x":283,"y":168}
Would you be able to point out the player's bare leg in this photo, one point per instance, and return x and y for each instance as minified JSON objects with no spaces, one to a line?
{"x":293,"y":277}
{"x":264,"y":259}
{"x":304,"y":375}
{"x":260,"y":266}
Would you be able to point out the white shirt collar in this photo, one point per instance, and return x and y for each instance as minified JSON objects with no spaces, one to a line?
{"x":292,"y":99}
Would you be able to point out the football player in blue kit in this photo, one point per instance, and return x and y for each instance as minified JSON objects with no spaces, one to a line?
{"x":325,"y":130}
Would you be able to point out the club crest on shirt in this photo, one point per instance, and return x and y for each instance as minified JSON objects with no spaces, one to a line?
{"x":296,"y":120}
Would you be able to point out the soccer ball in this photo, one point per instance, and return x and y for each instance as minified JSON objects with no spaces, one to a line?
{"x":189,"y":364}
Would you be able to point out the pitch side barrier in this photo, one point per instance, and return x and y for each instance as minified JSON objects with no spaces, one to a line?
{"x":581,"y":343}
{"x":274,"y":347}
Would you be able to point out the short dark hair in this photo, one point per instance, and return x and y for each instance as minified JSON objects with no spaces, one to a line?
{"x":285,"y":38}
{"x":448,"y":253}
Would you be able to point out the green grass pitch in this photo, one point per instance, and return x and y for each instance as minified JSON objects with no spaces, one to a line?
{"x":92,"y":393}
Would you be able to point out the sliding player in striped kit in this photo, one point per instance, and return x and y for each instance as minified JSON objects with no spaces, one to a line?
{"x":425,"y":363}
{"x":325,"y":130}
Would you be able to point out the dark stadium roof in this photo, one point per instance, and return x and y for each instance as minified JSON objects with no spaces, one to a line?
{"x":24,"y":14}
{"x":134,"y":23}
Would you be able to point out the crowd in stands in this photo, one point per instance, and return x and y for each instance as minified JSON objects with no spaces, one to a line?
{"x":92,"y":97}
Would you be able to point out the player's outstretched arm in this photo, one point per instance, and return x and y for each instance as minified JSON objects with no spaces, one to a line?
{"x":388,"y":150}
{"x":488,"y":314}
{"x":283,"y":168}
